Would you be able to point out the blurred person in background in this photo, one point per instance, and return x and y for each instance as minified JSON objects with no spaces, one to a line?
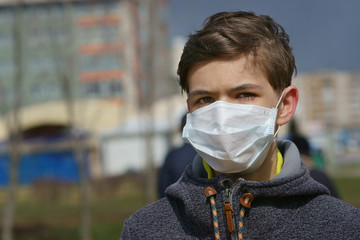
{"x":175,"y":163}
{"x":237,"y":73}
{"x":306,"y":154}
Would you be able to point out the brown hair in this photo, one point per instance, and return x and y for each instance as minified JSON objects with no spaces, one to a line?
{"x":234,"y":34}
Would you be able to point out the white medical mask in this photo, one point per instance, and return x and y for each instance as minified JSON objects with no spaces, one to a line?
{"x":232,"y":138}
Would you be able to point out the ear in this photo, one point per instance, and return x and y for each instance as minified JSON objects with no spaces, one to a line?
{"x":288,"y":105}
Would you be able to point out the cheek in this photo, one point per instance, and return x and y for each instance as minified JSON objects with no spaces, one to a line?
{"x":269,"y":101}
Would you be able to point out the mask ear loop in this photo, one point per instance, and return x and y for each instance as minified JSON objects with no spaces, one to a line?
{"x":277,"y":105}
{"x":276,"y":133}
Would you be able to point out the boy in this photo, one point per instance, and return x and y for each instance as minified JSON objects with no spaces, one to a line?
{"x":237,"y":74}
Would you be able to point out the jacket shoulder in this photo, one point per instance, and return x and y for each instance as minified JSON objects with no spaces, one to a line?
{"x":335,"y":214}
{"x":152,"y":220}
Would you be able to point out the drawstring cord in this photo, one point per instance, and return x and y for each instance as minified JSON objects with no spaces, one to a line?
{"x":245,"y":202}
{"x":210,"y":192}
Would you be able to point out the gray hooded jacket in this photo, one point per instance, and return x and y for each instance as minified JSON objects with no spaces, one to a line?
{"x":289,"y":206}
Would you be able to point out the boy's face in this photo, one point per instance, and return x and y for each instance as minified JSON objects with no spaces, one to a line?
{"x":235,"y":81}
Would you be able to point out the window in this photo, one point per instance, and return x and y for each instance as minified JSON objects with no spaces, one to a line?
{"x":91,"y":89}
{"x":115,"y":87}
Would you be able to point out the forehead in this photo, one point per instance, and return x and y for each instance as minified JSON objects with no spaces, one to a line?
{"x":227,"y":73}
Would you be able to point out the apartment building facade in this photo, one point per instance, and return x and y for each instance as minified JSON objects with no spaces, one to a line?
{"x":329,"y":112}
{"x":90,"y":52}
{"x":78,"y":63}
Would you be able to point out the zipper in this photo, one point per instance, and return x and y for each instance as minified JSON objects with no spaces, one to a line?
{"x":229,"y":185}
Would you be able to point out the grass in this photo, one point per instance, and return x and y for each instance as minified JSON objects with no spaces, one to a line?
{"x":349,"y":190}
{"x":346,"y":179}
{"x":53,"y":212}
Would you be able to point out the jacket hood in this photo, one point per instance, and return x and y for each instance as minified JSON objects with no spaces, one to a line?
{"x":294,"y":179}
{"x":188,"y":194}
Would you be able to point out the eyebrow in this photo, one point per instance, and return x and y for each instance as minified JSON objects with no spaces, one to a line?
{"x":199,"y":92}
{"x":245,"y":86}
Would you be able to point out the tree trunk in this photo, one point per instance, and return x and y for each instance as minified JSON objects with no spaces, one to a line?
{"x":14,"y":128}
{"x":64,"y":71}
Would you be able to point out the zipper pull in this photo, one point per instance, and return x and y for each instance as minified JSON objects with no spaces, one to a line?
{"x":229,"y":185}
{"x":229,"y":211}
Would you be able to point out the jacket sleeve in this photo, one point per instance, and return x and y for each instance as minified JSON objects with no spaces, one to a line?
{"x":127,"y":234}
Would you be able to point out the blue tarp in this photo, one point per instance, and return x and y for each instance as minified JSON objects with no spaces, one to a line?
{"x":59,"y":166}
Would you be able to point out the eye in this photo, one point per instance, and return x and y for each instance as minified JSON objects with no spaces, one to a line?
{"x":246,"y":96}
{"x":205,"y":100}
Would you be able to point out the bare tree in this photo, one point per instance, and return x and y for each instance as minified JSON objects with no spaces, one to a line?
{"x":156,"y":83}
{"x":13,"y":125}
{"x":149,"y":82}
{"x":64,"y":69}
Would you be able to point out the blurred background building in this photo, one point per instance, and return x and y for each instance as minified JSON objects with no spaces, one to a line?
{"x":80,"y":66}
{"x":329,"y":113}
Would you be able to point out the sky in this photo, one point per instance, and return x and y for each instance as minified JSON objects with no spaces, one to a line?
{"x":324,"y":34}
